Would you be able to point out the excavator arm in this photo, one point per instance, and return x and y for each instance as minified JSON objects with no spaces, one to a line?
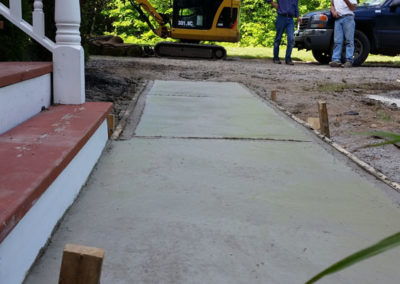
{"x":162,"y":30}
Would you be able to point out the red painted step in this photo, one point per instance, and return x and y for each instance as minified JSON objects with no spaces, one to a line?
{"x":34,"y":153}
{"x":14,"y":72}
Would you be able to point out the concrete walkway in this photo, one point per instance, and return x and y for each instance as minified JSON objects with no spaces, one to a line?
{"x":216,"y":187}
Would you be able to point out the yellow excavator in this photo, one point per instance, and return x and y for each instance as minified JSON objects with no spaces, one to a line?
{"x":193,"y":21}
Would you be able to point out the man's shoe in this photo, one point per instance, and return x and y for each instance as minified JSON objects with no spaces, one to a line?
{"x":277,"y":61}
{"x":335,"y":64}
{"x":290,"y":62}
{"x":348,"y":64}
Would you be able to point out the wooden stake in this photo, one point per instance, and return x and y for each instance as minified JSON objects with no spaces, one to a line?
{"x":314,"y":122}
{"x":81,"y":265}
{"x":1,"y":25}
{"x":323,"y":119}
{"x":273,"y":95}
{"x":110,"y":124}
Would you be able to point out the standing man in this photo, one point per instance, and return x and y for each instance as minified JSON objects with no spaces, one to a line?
{"x":342,"y":11}
{"x":287,"y":10}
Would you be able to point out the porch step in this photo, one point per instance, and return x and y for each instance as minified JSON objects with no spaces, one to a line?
{"x":33,"y":156}
{"x":15,"y":72}
{"x":25,"y":89}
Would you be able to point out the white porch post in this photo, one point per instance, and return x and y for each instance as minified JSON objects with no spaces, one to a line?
{"x":68,"y":56}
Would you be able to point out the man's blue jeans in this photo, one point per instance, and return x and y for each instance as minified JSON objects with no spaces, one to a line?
{"x":283,"y":23}
{"x":344,"y":30}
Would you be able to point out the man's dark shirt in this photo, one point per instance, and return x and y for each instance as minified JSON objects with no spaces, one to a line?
{"x":288,"y":8}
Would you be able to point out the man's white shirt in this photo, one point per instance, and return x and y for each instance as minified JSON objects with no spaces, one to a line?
{"x":342,"y":8}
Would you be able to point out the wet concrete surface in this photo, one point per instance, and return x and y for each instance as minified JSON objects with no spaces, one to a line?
{"x":187,"y":200}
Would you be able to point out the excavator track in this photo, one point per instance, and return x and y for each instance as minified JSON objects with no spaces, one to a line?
{"x":189,"y":50}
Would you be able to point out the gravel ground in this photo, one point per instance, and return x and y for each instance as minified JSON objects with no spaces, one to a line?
{"x":298,"y":87}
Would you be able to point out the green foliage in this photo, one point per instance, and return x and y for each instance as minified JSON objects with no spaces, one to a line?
{"x":14,"y":43}
{"x":383,"y":115}
{"x":258,"y":20}
{"x":94,"y":20}
{"x":128,"y":24}
{"x":382,"y":246}
{"x":335,"y":87}
{"x":392,"y":138}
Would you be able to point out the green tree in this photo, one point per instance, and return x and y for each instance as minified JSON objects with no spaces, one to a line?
{"x":94,"y":19}
{"x":128,"y":24}
{"x":258,"y":20}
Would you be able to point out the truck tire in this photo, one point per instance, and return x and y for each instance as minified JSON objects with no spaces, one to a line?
{"x":362,"y":48}
{"x":322,"y":56}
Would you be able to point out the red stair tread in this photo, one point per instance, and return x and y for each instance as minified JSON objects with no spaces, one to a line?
{"x":34,"y":153}
{"x":14,"y":72}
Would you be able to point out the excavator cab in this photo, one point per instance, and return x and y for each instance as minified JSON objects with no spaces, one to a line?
{"x":213,"y":20}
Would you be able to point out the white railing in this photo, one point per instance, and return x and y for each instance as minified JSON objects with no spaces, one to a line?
{"x":68,"y":55}
{"x":14,"y":15}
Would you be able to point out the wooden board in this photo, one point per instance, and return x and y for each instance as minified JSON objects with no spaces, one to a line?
{"x":313,"y":122}
{"x":81,"y":265}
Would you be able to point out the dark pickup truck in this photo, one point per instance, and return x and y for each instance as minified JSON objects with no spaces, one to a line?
{"x":377,"y":31}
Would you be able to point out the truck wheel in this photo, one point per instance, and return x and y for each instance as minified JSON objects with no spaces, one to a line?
{"x":361,"y":48}
{"x":321,"y":56}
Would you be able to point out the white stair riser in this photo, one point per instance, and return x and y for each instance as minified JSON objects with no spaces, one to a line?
{"x":23,"y":100}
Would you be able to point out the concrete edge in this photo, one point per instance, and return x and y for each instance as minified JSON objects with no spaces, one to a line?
{"x":122,"y":123}
{"x":360,"y":163}
{"x":137,"y":112}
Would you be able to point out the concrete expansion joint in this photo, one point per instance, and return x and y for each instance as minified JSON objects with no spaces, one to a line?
{"x":220,"y":138}
{"x":187,"y":96}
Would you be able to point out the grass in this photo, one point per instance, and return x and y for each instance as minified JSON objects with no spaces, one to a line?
{"x":298,"y":55}
{"x":383,"y":116}
{"x":265,"y":53}
{"x":378,"y":248}
{"x":341,"y":87}
{"x":234,"y":50}
{"x":335,"y":87}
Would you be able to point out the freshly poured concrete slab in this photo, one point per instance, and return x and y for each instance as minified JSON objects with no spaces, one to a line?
{"x":220,"y":211}
{"x":199,"y":109}
{"x":198,"y":89}
{"x":170,"y":206}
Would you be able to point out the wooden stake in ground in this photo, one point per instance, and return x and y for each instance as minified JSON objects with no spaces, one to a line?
{"x":273,"y":95}
{"x":81,"y":265}
{"x":110,"y":124}
{"x":323,"y":119}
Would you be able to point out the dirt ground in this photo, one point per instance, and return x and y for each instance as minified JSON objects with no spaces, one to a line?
{"x":298,"y":87}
